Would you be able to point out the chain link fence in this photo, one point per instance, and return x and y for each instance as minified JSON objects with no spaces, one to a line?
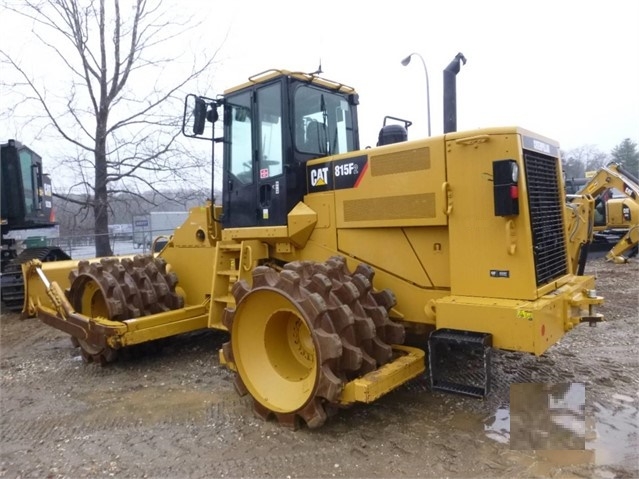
{"x":82,"y":246}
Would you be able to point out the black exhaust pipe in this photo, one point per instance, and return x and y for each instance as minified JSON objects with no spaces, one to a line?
{"x":450,"y":92}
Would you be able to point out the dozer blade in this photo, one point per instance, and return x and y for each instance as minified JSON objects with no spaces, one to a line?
{"x":459,"y":361}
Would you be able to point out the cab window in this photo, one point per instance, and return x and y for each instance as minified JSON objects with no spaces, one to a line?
{"x":27,"y":180}
{"x":269,"y":105}
{"x":241,"y":143}
{"x":322,"y":122}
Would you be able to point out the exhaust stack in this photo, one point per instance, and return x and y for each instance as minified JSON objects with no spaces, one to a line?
{"x":450,"y":92}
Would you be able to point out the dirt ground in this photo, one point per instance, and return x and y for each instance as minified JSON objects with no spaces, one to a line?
{"x":169,"y":410}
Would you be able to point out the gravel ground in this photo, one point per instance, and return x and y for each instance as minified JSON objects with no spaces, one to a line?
{"x":170,"y":410}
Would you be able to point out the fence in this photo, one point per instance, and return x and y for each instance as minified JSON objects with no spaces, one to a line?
{"x":83,"y":246}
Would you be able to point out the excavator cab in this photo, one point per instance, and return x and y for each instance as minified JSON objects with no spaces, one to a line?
{"x":26,"y":191}
{"x":27,"y":214}
{"x":273,"y":125}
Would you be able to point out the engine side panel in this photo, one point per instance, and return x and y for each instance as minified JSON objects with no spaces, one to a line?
{"x":490,"y":255}
{"x":393,"y":186}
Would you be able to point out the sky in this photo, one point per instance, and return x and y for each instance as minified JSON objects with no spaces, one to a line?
{"x":568,"y":70}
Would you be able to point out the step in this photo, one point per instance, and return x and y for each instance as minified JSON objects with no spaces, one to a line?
{"x":229,"y":299}
{"x":230,"y":246}
{"x":459,"y":362}
{"x":229,"y":272}
{"x":463,"y":389}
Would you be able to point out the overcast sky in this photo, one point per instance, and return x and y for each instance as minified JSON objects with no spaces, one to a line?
{"x":566,"y":69}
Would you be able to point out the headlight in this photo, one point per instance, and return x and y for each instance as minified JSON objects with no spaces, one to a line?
{"x":514,"y":170}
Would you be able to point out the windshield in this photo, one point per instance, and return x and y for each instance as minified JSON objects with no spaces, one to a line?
{"x":322,"y":122}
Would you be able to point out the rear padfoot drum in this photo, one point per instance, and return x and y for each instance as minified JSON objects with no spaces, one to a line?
{"x":300,"y":334}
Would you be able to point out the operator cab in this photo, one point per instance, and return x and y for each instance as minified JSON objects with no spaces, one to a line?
{"x":26,"y":190}
{"x":273,"y":125}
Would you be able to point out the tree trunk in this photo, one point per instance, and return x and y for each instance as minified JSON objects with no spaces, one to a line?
{"x":101,"y":201}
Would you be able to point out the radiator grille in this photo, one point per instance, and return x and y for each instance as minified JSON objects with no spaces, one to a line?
{"x":546,"y":205}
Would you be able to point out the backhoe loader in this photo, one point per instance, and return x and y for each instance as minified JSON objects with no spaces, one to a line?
{"x":594,"y":210}
{"x":324,"y":255}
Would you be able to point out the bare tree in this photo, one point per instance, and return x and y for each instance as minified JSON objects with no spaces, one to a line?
{"x":580,"y":160}
{"x":121,"y":110}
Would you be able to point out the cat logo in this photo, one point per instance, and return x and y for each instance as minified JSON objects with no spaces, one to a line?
{"x":319,"y":176}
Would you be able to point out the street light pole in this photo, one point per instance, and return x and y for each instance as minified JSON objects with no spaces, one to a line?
{"x":405,"y":62}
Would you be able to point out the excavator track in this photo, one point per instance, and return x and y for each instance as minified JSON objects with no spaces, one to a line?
{"x":117,"y":290}
{"x":12,"y":284}
{"x":300,"y":334}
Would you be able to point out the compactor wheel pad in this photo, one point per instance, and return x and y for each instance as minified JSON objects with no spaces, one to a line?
{"x":298,"y":335}
{"x":118,"y":290}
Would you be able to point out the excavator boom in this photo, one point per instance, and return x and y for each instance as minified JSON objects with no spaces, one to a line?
{"x":612,"y":176}
{"x":593,"y":209}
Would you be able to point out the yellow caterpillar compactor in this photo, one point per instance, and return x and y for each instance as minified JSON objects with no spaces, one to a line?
{"x":324,"y":256}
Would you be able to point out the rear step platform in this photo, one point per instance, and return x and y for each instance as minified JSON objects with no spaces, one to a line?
{"x":459,"y":361}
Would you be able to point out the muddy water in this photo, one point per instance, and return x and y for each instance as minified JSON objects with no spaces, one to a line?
{"x":150,"y":404}
{"x":616,"y":439}
{"x":551,"y":420}
{"x":547,"y":416}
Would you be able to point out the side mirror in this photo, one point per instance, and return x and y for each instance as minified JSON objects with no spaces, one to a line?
{"x":197,"y":111}
{"x":199,"y":116}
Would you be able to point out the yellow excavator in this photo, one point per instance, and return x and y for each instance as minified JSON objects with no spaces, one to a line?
{"x":324,"y":255}
{"x":595,"y":209}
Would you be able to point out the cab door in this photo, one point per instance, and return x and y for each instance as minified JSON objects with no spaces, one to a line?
{"x":271,"y":193}
{"x":254,"y":190}
{"x":239,"y":189}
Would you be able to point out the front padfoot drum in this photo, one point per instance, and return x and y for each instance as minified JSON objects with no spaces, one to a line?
{"x":118,"y":290}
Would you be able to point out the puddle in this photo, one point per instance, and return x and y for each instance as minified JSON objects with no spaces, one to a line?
{"x":616,"y":438}
{"x":609,"y":437}
{"x":499,"y":427}
{"x":152,"y":404}
{"x":547,"y":416}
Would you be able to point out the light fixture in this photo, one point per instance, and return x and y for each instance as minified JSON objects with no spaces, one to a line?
{"x":405,"y":62}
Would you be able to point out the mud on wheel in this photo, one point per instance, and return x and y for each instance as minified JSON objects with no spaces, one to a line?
{"x":118,"y":290}
{"x":298,"y":335}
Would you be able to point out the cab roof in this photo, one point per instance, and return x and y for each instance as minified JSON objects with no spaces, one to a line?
{"x":273,"y":73}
